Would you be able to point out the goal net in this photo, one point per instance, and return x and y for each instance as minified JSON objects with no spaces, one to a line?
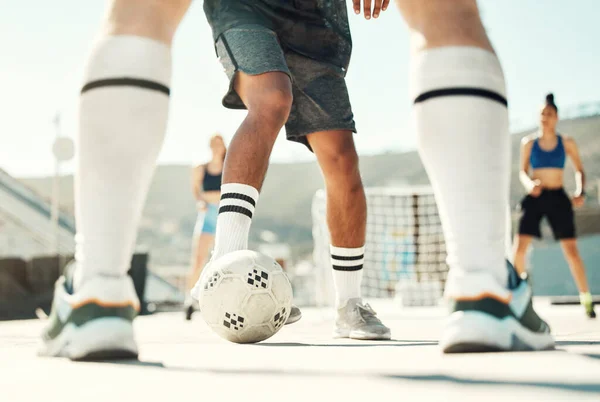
{"x":405,"y":254}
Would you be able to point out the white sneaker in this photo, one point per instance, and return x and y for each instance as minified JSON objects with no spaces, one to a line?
{"x":492,"y":322}
{"x":357,"y":321}
{"x":94,"y":323}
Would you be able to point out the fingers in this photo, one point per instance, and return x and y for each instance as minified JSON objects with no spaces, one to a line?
{"x":371,"y":8}
{"x":367,"y":9}
{"x":377,"y":8}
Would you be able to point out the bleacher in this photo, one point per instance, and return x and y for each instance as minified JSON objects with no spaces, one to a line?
{"x":29,"y":264}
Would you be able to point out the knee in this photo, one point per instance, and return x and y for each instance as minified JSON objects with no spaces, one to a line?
{"x":571,"y":250}
{"x":340,"y":161}
{"x":155,"y":19}
{"x":272,"y":105}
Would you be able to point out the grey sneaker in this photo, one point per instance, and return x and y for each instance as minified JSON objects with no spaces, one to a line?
{"x":359,"y":321}
{"x":295,"y":315}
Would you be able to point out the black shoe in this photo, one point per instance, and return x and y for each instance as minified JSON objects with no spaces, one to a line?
{"x":189,"y":310}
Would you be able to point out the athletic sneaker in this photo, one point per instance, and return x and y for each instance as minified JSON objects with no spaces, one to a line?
{"x":295,"y":315}
{"x":588,"y":303}
{"x":493,"y":323}
{"x":93,"y":323}
{"x":359,"y":321}
{"x":189,"y":308}
{"x":589,"y":310}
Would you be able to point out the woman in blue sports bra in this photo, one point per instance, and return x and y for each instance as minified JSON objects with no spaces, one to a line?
{"x":543,"y":157}
{"x":206,"y":187}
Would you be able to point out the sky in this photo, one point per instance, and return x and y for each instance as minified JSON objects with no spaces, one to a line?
{"x":549,"y":45}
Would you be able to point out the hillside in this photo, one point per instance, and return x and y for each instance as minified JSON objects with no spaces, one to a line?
{"x":284,"y":206}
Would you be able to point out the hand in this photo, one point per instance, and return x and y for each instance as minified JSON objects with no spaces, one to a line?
{"x":201,"y":205}
{"x":578,"y":200}
{"x":536,"y":190}
{"x":378,"y":6}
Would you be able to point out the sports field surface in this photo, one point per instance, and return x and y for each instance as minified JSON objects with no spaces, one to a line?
{"x":185,"y":361}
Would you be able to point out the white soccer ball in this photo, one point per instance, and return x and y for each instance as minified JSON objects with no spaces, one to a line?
{"x":245,"y":296}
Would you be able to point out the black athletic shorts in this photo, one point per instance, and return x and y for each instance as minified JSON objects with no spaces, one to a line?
{"x":552,"y":204}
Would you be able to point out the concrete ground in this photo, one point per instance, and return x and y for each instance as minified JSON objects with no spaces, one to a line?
{"x":185,"y":361}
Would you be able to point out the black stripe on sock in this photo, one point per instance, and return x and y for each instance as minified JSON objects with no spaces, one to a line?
{"x":236,"y":208}
{"x":353,"y":268}
{"x":483,"y":93}
{"x":239,"y":196}
{"x":127,"y":82}
{"x":346,"y":258}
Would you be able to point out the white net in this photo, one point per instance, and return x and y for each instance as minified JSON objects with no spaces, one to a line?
{"x":405,"y":255}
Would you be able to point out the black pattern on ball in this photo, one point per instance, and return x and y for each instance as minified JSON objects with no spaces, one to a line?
{"x":280,"y":318}
{"x":212,"y":281}
{"x":233,"y":321}
{"x":258,"y":279}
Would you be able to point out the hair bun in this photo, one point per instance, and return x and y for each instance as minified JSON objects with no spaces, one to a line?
{"x":550,"y":98}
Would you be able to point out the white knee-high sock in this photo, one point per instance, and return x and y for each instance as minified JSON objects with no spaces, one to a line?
{"x":236,"y":209}
{"x":122,"y":122}
{"x":461,"y":118}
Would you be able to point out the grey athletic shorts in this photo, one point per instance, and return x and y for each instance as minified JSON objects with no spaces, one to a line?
{"x":321,"y":100}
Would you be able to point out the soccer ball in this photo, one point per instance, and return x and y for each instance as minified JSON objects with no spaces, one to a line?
{"x":245,"y":296}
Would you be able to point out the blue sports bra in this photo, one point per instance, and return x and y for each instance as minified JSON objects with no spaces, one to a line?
{"x":555,"y":158}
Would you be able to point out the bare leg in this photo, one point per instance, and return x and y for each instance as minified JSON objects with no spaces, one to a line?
{"x":522,"y":243}
{"x":439,"y":23}
{"x":346,"y":210}
{"x":154,"y":19}
{"x":575,"y":262}
{"x":268,"y":98}
{"x":200,"y":256}
{"x":347,"y":220}
{"x":346,"y":203}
